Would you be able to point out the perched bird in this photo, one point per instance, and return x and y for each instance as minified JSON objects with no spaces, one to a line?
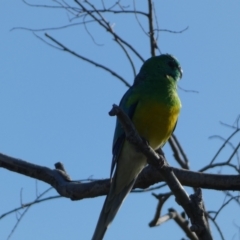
{"x":153,"y":105}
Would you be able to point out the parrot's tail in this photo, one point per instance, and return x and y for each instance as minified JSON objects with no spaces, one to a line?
{"x":110,"y":208}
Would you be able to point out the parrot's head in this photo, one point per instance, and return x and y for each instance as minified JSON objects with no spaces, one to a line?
{"x":164,"y":64}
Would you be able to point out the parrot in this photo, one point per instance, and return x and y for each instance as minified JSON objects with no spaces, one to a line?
{"x":153,"y":105}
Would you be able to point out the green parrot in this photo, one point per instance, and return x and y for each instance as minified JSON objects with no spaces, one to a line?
{"x":153,"y":105}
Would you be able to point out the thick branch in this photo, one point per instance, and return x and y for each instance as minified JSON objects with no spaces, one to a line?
{"x":149,"y":176}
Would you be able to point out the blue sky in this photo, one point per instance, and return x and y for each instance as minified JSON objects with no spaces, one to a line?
{"x":54,"y":107}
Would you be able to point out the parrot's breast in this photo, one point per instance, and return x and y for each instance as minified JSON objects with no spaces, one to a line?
{"x":155,"y":121}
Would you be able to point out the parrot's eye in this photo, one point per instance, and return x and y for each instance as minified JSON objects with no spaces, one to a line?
{"x":172,"y":64}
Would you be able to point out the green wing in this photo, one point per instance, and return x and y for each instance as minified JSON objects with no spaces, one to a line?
{"x":128,"y":105}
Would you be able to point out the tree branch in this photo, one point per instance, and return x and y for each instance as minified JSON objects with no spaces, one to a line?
{"x":76,"y":190}
{"x":151,"y":31}
{"x":64,"y":48}
{"x":104,"y":25}
{"x":181,"y":222}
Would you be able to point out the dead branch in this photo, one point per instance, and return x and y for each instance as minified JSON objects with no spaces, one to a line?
{"x":64,"y":48}
{"x":76,"y":190}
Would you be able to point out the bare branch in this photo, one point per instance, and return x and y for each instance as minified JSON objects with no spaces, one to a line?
{"x":223,"y":206}
{"x":106,"y":26}
{"x":117,"y":39}
{"x":170,"y":31}
{"x":233,"y":153}
{"x":181,"y":221}
{"x":162,"y":198}
{"x":149,"y":189}
{"x":64,"y":48}
{"x":218,"y":228}
{"x":77,"y":190}
{"x":185,"y":90}
{"x":120,"y":12}
{"x":22,"y":214}
{"x":52,"y":28}
{"x":156,"y":20}
{"x":37,"y":200}
{"x":237,"y":200}
{"x":224,"y":144}
{"x":178,"y":152}
{"x":43,"y":40}
{"x":136,"y":16}
{"x":46,"y":6}
{"x":221,"y":164}
{"x":85,"y":26}
{"x":153,"y":44}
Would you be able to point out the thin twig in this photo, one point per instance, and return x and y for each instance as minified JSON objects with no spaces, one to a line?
{"x":109,"y":30}
{"x":185,"y":90}
{"x":128,"y":57}
{"x":136,"y":16}
{"x":178,"y":152}
{"x":64,"y":48}
{"x":23,"y":214}
{"x":67,"y":7}
{"x":224,"y":205}
{"x":224,"y":144}
{"x":51,"y":28}
{"x":49,"y":44}
{"x":221,"y":164}
{"x":217,"y":227}
{"x":91,"y":36}
{"x":170,"y":31}
{"x":149,"y":189}
{"x":44,"y":6}
{"x":233,"y":153}
{"x":156,"y":21}
{"x":29,"y":204}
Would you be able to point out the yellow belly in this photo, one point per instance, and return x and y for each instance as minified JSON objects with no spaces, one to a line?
{"x":155,"y":122}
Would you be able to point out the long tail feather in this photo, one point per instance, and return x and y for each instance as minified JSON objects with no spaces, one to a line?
{"x":110,"y":208}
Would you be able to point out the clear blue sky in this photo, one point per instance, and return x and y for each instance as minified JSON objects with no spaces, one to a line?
{"x":54,"y":107}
